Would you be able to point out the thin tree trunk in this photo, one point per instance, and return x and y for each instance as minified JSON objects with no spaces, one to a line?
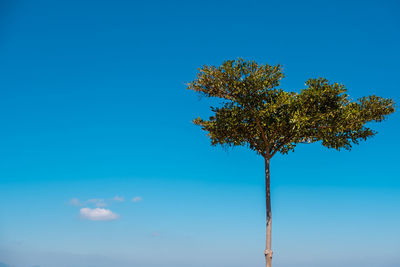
{"x":268,"y":250}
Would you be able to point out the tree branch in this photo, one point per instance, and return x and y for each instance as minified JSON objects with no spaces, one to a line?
{"x":279,"y":147}
{"x":264,"y":136}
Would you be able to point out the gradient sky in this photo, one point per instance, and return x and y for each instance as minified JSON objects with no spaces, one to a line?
{"x":94,"y":114}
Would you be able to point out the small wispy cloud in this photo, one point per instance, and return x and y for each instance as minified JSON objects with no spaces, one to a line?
{"x":75,"y":202}
{"x":119,"y":199}
{"x":98,"y":214}
{"x":98,"y":202}
{"x":2,"y":264}
{"x":137,"y":199}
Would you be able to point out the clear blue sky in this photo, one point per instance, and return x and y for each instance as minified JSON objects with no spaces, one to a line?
{"x":94,"y":113}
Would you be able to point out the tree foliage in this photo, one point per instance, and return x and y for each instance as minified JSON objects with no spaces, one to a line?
{"x":256,"y":113}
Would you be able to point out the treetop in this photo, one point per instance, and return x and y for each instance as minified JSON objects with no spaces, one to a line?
{"x":256,"y":113}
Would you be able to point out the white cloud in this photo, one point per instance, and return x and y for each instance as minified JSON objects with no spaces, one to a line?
{"x":119,"y":199}
{"x":75,"y":202}
{"x":137,"y":199}
{"x":98,"y":214}
{"x":98,"y":202}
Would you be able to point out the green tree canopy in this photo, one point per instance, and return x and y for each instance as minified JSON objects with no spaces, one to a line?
{"x":256,"y":113}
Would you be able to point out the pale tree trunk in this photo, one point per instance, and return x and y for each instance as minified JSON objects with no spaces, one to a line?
{"x":268,"y":250}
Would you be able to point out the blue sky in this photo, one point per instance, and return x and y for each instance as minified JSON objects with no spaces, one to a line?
{"x":94,"y":113}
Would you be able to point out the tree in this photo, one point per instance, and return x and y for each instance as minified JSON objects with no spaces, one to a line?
{"x":257,"y":114}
